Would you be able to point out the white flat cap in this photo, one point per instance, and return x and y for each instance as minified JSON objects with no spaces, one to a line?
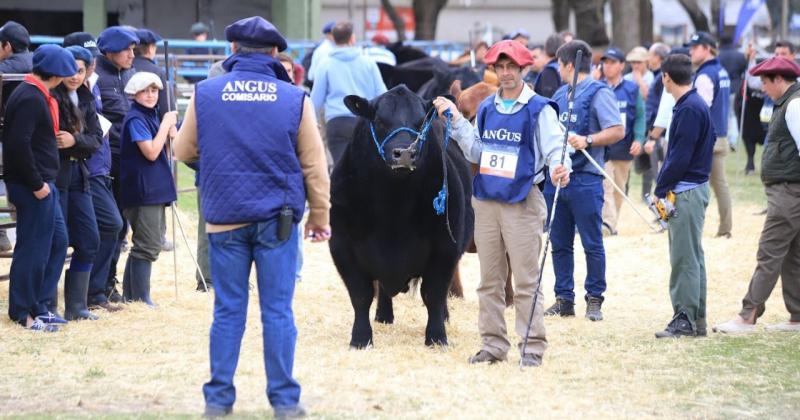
{"x":141,"y":81}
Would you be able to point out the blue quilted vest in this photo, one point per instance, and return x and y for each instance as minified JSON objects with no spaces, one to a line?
{"x":247,"y":122}
{"x":627,"y":93}
{"x":722,"y":94}
{"x":581,"y":113}
{"x":507,"y":138}
{"x":144,"y":182}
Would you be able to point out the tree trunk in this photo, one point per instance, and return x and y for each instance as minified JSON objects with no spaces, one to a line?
{"x":625,"y":18}
{"x":699,"y":19}
{"x":397,"y":20}
{"x":560,"y":11}
{"x":646,"y":22}
{"x":714,"y":18}
{"x":590,"y":24}
{"x":426,"y":14}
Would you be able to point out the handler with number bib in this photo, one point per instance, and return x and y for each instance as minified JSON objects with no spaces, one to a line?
{"x":257,"y":135}
{"x":517,"y":133}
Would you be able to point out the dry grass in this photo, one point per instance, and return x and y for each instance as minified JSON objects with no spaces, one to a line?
{"x":152,"y":363}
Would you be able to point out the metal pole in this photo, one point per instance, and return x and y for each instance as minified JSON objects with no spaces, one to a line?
{"x":173,"y":168}
{"x":570,"y":102}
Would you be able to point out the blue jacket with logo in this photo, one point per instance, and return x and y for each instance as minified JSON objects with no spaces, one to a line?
{"x":722,"y":94}
{"x":627,"y":93}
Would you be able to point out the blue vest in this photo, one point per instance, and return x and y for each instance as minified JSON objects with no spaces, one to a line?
{"x":722,"y":94}
{"x":581,"y":114}
{"x":627,"y":93}
{"x":504,"y":137}
{"x":99,"y":163}
{"x":144,"y":183}
{"x":247,"y":122}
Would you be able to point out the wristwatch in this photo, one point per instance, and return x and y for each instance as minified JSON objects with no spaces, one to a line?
{"x":589,"y":141}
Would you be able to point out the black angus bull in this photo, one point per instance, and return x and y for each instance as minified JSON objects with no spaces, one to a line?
{"x":385,"y":230}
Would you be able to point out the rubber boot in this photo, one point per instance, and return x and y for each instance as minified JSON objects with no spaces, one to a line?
{"x":140,"y":271}
{"x":126,"y":282}
{"x":76,"y":288}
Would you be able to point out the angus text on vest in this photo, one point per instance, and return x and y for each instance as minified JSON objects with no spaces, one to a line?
{"x":250,"y":91}
{"x":502,"y":134}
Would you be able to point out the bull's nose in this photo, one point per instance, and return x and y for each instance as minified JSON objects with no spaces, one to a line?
{"x":404,"y":157}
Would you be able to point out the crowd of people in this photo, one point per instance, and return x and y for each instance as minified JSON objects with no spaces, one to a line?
{"x":87,"y":157}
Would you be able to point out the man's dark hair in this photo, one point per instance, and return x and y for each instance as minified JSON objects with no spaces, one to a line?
{"x":567,"y":52}
{"x":42,"y":75}
{"x":15,"y":47}
{"x":342,"y":32}
{"x":787,"y":44}
{"x":679,"y":69}
{"x":552,"y":44}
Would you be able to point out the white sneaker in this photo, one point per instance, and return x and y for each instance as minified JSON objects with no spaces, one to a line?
{"x":734,"y":327}
{"x":784,"y":326}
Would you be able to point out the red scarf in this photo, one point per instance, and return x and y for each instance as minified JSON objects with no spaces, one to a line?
{"x":51,"y":101}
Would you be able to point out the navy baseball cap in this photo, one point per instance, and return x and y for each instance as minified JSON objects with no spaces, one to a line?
{"x":82,"y":39}
{"x":115,"y":39}
{"x":702,"y":38}
{"x":52,"y":59}
{"x":614,"y":54}
{"x":255,"y":32}
{"x":328,"y":27}
{"x":147,"y":36}
{"x":16,"y":34}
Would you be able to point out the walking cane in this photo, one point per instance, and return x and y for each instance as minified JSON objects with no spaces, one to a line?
{"x":570,"y":101}
{"x":173,"y":168}
{"x":619,"y":190}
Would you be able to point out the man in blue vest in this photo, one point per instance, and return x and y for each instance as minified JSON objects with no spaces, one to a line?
{"x":517,"y":136}
{"x":595,"y":124}
{"x":713,"y":85}
{"x":549,"y":79}
{"x":620,"y":154}
{"x":264,"y":169}
{"x":683,"y":181}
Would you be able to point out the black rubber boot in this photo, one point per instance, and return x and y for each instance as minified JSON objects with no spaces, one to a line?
{"x":126,"y":282}
{"x":139,"y":273}
{"x":76,"y":287}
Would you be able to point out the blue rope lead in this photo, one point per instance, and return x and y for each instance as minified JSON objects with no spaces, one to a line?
{"x":440,"y":201}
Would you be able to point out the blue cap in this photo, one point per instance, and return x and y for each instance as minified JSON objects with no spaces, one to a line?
{"x":328,"y":27}
{"x":255,"y":32}
{"x":82,"y":39}
{"x":147,"y":36}
{"x":614,"y":54}
{"x":520,"y":32}
{"x":702,"y":38}
{"x":115,"y":39}
{"x":16,"y":34}
{"x":80,"y":53}
{"x":54,"y":60}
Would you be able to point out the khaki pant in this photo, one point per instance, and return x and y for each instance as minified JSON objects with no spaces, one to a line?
{"x":516,"y":229}
{"x":720,"y":186}
{"x":778,"y":253}
{"x":612,"y":200}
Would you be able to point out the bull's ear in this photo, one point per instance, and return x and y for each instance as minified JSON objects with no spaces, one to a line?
{"x":359,"y":106}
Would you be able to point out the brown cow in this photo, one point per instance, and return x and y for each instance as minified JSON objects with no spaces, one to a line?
{"x":468,"y":101}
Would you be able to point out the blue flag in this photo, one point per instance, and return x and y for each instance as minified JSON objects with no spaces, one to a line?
{"x":746,"y":13}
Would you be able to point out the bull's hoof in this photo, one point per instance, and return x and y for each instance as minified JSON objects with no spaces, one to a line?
{"x":439,"y":341}
{"x":384,"y":319}
{"x":360,"y":344}
{"x":456,"y":294}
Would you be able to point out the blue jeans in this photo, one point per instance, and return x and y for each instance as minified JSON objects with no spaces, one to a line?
{"x":232,"y":254}
{"x":78,"y":212}
{"x":39,"y":253}
{"x":109,"y":224}
{"x":580,"y":205}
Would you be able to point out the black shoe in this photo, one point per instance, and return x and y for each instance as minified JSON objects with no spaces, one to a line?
{"x":562,"y":307}
{"x":201,"y":288}
{"x":483,"y":356}
{"x":530,"y":360}
{"x":678,"y":327}
{"x":113,"y":295}
{"x":212,"y":411}
{"x":593,"y":305}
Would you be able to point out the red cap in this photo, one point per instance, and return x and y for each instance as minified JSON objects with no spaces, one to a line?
{"x":513,"y":49}
{"x":777,"y":65}
{"x":380,"y":39}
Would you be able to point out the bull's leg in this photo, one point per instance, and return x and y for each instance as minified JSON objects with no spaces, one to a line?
{"x":384,"y":313}
{"x":434,"y":294}
{"x":361,"y":291}
{"x":456,"y":289}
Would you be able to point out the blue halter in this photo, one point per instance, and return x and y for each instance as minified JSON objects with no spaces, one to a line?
{"x":440,"y":201}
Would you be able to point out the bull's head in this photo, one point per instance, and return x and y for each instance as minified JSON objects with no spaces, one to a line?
{"x":394,"y":117}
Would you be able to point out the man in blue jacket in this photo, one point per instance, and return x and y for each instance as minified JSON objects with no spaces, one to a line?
{"x":14,"y":54}
{"x":685,"y":176}
{"x":713,"y":85}
{"x":346,"y":72}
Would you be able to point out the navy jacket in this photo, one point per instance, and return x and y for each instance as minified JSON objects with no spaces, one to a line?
{"x":691,"y":145}
{"x":116,"y":104}
{"x":549,"y":80}
{"x":87,"y":141}
{"x":30,"y":155}
{"x":17,"y":63}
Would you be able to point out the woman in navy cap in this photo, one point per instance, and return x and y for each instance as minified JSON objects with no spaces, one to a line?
{"x":146,"y":180}
{"x":80,"y":136}
{"x":30,"y":162}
